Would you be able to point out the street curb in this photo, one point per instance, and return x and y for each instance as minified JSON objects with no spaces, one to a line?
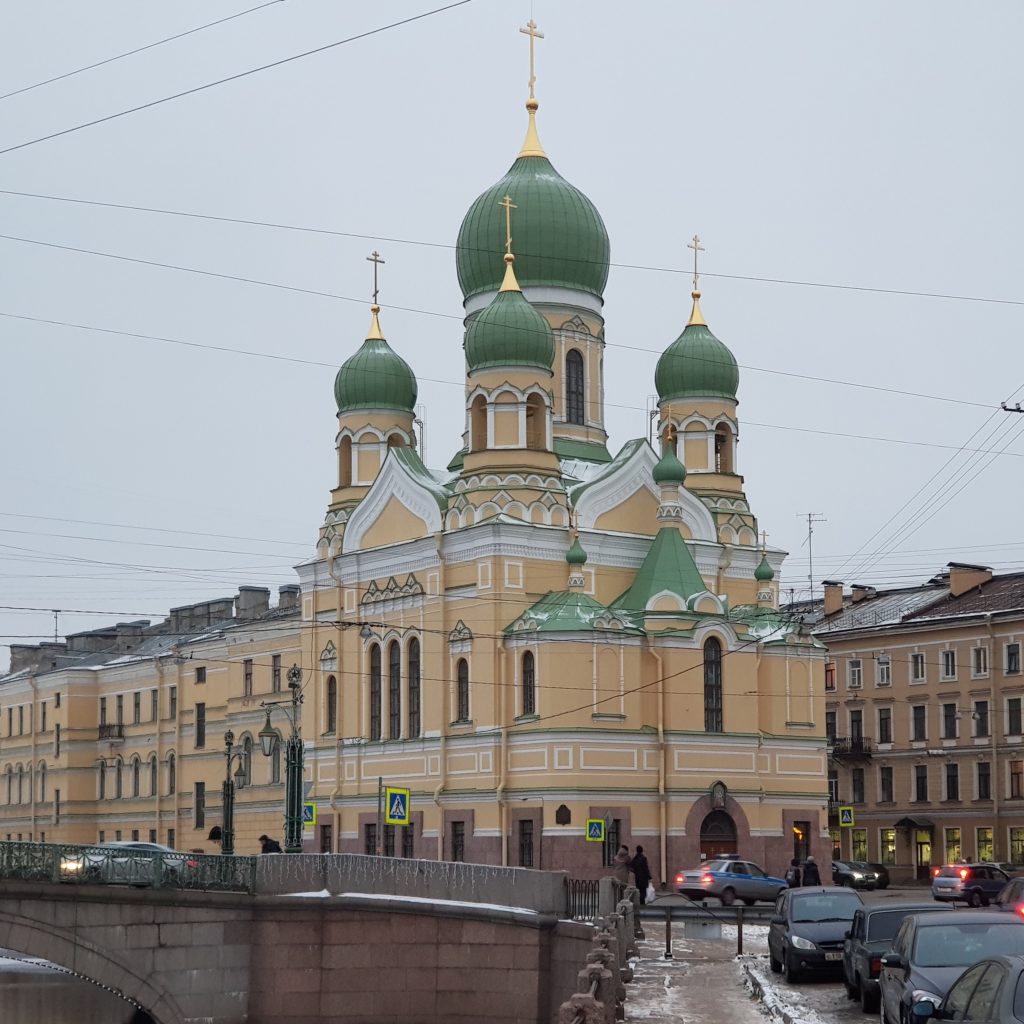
{"x":772,"y":1006}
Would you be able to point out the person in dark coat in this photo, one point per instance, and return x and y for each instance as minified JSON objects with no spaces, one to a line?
{"x":811,"y":876}
{"x":268,"y":845}
{"x":793,"y":874}
{"x":641,"y":872}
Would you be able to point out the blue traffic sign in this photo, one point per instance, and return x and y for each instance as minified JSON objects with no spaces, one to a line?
{"x":396,"y":806}
{"x":595,"y":830}
{"x":309,"y":814}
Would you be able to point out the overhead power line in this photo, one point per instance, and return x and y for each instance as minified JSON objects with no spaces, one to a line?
{"x":138,"y":49}
{"x":234,"y":78}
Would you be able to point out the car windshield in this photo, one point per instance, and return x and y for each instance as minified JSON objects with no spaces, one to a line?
{"x":885,"y":924}
{"x":958,"y":945}
{"x":830,"y":906}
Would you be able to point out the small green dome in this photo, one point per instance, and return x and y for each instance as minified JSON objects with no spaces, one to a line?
{"x":375,"y":377}
{"x":764,"y":572}
{"x":561,"y":239}
{"x":669,"y":469}
{"x":509,"y":332}
{"x":696,"y":364}
{"x":576,"y":555}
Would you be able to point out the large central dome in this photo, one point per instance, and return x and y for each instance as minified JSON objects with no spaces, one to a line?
{"x":561,"y":241}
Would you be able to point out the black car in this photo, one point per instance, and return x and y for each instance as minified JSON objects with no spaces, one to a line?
{"x":881,"y":875}
{"x":931,"y":951}
{"x":870,"y":936}
{"x":853,"y":873}
{"x":808,"y":928}
{"x":992,"y":991}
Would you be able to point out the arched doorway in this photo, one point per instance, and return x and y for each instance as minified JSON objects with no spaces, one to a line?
{"x":717,"y":835}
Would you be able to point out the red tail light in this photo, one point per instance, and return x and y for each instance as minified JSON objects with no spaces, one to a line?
{"x":679,"y":879}
{"x":706,"y":879}
{"x":964,"y":873}
{"x":1020,"y":909}
{"x":876,"y":966}
{"x":935,"y":872}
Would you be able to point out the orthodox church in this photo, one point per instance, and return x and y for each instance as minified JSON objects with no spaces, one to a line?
{"x":542,"y":634}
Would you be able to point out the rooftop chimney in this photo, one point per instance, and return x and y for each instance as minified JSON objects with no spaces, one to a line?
{"x":833,"y":596}
{"x":860,"y":592}
{"x":963,"y":577}
{"x":252,"y":602}
{"x":288,"y":596}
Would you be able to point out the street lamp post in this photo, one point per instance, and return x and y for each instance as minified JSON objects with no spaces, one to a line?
{"x":227,"y":831}
{"x":293,"y":759}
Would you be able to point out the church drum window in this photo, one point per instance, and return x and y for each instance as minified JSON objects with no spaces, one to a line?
{"x":414,"y":688}
{"x":529,"y":684}
{"x":478,"y":424}
{"x":462,"y":695}
{"x":723,"y":449}
{"x":575,"y":389}
{"x":394,"y":691}
{"x":536,"y":423}
{"x":331,"y":724}
{"x":375,"y":685}
{"x":345,"y":462}
{"x":713,"y":686}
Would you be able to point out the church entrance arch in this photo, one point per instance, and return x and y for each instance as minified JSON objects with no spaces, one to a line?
{"x":717,"y":835}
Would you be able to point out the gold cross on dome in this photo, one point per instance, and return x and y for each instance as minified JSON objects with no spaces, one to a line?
{"x":508,"y":207}
{"x":376,"y":260}
{"x":697,"y":248}
{"x":531,"y":31}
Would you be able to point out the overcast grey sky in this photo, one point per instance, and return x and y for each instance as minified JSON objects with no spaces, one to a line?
{"x":873,"y":145}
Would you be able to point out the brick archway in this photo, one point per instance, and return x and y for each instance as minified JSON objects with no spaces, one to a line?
{"x":34,"y":938}
{"x":685,"y":850}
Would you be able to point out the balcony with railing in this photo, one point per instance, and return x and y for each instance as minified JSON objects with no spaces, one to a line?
{"x":851,"y":748}
{"x":112,"y":731}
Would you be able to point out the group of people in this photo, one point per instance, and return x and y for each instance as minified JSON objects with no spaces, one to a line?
{"x":805,"y":874}
{"x":637,"y":864}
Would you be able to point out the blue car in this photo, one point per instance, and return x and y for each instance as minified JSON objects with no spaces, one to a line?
{"x":730,"y":879}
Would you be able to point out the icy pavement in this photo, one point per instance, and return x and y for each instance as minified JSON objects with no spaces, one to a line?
{"x":812,"y":1001}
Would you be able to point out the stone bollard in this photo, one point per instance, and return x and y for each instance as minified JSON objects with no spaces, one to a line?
{"x":627,"y":912}
{"x":624,"y":933}
{"x":605,"y":896}
{"x":611,"y":943}
{"x":581,"y":1009}
{"x":599,"y":978}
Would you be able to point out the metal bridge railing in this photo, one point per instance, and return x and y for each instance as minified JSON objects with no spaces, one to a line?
{"x":581,"y":898}
{"x":119,"y":865}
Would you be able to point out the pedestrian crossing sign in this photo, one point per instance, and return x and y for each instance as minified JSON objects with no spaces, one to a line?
{"x":309,"y":815}
{"x":846,"y":817}
{"x":595,"y":830}
{"x":396,"y":806}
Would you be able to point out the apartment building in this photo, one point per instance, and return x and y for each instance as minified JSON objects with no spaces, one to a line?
{"x":924,"y":695}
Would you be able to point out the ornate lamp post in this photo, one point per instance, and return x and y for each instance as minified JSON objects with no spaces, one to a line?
{"x":293,"y":759}
{"x":227,"y":832}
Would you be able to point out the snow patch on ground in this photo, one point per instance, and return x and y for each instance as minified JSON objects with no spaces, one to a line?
{"x":377,"y":897}
{"x":787,"y":1005}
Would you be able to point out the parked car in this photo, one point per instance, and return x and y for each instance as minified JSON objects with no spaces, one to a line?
{"x":1011,"y":897}
{"x":808,"y":928}
{"x":976,"y":884}
{"x":870,"y":936}
{"x":931,"y":951}
{"x":1009,"y":867}
{"x":853,"y":873}
{"x":128,"y":863}
{"x":881,"y":875}
{"x":992,"y":991}
{"x":729,"y":879}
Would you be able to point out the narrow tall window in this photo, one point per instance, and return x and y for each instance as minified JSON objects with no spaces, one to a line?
{"x":247,"y":677}
{"x":458,"y":840}
{"x":136,"y":707}
{"x":172,"y":774}
{"x":375,"y":692}
{"x":103,"y":710}
{"x":981,"y":718}
{"x":394,"y":691}
{"x":172,"y":702}
{"x":885,"y":785}
{"x":526,"y":843}
{"x":200,"y":726}
{"x":120,"y":708}
{"x":42,"y":782}
{"x":857,"y":785}
{"x":1013,"y":716}
{"x":917,"y":668}
{"x":136,"y":776}
{"x":462,"y":677}
{"x":199,"y":804}
{"x":154,"y":705}
{"x":723,"y":449}
{"x":920,"y":782}
{"x":949,"y":716}
{"x":275,"y":673}
{"x":102,"y":782}
{"x":408,"y":837}
{"x":885,"y":725}
{"x":918,"y":726}
{"x":952,"y":782}
{"x":331,"y":724}
{"x":369,"y":839}
{"x":414,"y":688}
{"x":119,"y":779}
{"x":713,"y":685}
{"x":984,"y":780}
{"x":42,"y":723}
{"x":1012,"y":659}
{"x":529,"y":685}
{"x":575,"y":391}
{"x":152,"y":776}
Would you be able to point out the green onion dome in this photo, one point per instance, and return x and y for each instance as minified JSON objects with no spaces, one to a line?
{"x":375,"y":377}
{"x":696,"y":364}
{"x":509,"y":332}
{"x":669,"y":469}
{"x":560,"y":237}
{"x":764,"y":572}
{"x":576,"y":555}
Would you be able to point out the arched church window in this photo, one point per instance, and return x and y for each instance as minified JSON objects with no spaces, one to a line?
{"x":119,"y":779}
{"x":21,"y":782}
{"x":713,"y":685}
{"x":172,"y":774}
{"x":575,"y":387}
{"x":536,"y":423}
{"x":529,"y":685}
{"x":395,"y":441}
{"x":345,"y":462}
{"x":136,"y":776}
{"x":723,"y":449}
{"x":414,"y":687}
{"x":152,"y":775}
{"x":462,"y":686}
{"x":478,"y":424}
{"x":331,"y":725}
{"x":394,"y":691}
{"x":375,"y":686}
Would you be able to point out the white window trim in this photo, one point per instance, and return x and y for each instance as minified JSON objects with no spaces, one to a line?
{"x":883,"y":661}
{"x":942,"y":665}
{"x":850,"y":684}
{"x":982,"y":674}
{"x":924,"y":738}
{"x":914,"y":681}
{"x":1006,"y":657}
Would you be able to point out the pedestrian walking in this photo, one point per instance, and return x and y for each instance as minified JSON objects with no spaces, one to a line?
{"x":811,"y":876}
{"x":641,"y":872}
{"x":620,"y":869}
{"x":793,"y":874}
{"x":268,"y":845}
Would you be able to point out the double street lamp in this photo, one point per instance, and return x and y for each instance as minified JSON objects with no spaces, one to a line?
{"x":227,"y":832}
{"x":293,"y":758}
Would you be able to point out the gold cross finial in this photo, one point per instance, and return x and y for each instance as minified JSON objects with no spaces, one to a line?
{"x":531,"y":31}
{"x":697,"y":248}
{"x":508,"y":207}
{"x":376,"y":260}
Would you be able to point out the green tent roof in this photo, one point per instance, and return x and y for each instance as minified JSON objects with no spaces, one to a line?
{"x":669,"y":565}
{"x":567,"y":611}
